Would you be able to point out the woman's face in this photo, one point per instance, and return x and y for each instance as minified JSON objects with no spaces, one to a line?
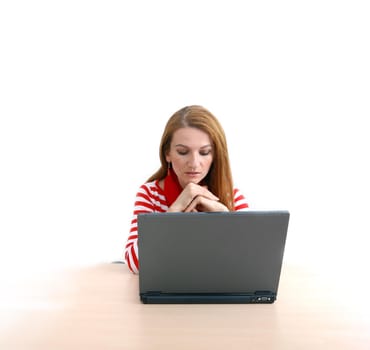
{"x":191,"y":155}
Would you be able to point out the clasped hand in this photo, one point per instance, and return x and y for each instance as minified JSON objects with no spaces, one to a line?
{"x":196,"y":198}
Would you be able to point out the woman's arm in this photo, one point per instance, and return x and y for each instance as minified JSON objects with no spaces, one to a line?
{"x":147,"y":201}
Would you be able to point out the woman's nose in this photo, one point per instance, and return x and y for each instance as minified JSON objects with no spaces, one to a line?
{"x":193,"y":160}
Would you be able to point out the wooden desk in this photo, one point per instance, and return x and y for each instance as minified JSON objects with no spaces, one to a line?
{"x":99,"y":308}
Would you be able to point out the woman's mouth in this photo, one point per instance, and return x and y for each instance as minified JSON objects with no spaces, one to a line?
{"x":192,"y":173}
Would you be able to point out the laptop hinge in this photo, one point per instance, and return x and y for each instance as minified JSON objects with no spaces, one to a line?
{"x":264,"y":296}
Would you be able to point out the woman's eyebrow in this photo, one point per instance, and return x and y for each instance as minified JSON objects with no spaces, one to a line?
{"x":181,"y":145}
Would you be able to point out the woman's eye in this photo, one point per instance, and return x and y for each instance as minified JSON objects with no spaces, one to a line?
{"x":205,"y":153}
{"x":202,"y":153}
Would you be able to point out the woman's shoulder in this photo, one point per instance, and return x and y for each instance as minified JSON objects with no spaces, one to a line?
{"x":151,"y":188}
{"x":151,"y":195}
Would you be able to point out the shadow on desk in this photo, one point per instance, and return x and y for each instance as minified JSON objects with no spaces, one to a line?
{"x":99,"y":308}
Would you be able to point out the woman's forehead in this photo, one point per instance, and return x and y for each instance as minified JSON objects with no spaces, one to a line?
{"x":190,"y":136}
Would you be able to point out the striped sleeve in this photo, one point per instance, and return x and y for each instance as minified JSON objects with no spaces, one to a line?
{"x":240,"y":203}
{"x":148,"y":200}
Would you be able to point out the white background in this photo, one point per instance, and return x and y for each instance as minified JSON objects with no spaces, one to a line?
{"x":87,"y":86}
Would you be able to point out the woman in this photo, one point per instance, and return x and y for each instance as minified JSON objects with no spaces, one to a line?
{"x":195,"y":173}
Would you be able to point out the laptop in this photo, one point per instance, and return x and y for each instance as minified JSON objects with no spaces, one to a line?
{"x":213,"y":257}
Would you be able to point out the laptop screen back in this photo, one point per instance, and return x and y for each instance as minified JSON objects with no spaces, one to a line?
{"x":211,"y":253}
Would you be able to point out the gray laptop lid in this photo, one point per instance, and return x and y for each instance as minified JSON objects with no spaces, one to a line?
{"x":211,"y":253}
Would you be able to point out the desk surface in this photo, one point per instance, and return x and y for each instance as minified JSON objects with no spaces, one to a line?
{"x":99,"y":308}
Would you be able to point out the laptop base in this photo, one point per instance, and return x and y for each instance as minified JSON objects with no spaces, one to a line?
{"x":207,"y":298}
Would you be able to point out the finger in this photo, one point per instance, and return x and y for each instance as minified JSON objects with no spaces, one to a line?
{"x":197,"y":190}
{"x":208,"y":194}
{"x":193,"y":204}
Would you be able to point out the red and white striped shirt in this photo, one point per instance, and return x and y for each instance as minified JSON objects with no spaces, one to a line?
{"x":151,"y":199}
